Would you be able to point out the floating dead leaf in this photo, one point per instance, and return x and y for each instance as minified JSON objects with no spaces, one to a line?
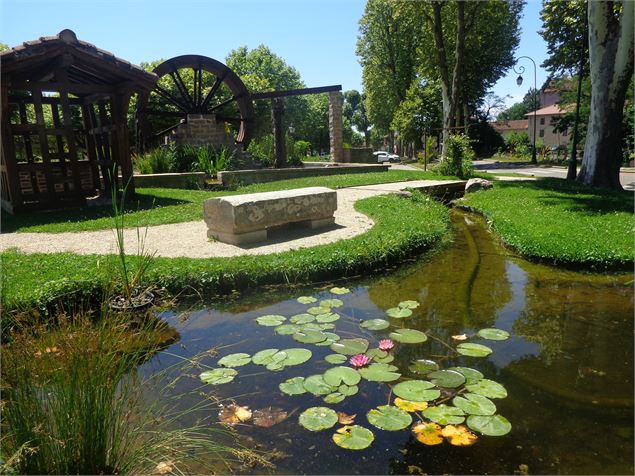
{"x":232,"y":414}
{"x":428,"y":433}
{"x":409,"y":406}
{"x":345,"y":418}
{"x":459,"y":435}
{"x":164,"y":467}
{"x":269,"y":416}
{"x":460,"y":337}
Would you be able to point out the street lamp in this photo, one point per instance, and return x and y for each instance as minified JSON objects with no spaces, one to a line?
{"x":519,"y":81}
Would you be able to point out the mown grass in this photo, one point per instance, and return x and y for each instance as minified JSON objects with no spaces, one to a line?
{"x":561,"y":222}
{"x":403,"y":228}
{"x":158,"y":206}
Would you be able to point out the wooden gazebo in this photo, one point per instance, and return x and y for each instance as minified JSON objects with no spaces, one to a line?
{"x":64,"y":122}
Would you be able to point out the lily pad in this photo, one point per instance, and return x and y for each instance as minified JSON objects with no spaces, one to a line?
{"x":302,"y":318}
{"x":428,"y":433}
{"x":277,"y":361}
{"x":336,"y":359}
{"x":423,"y":366}
{"x":340,"y":291}
{"x":487,"y":388}
{"x":318,"y":418}
{"x":444,"y":415}
{"x":328,"y":317}
{"x":380,"y":356}
{"x":459,"y":435}
{"x":330,"y":338}
{"x":375,"y":324}
{"x":350,"y":346}
{"x":339,"y":375}
{"x":307,"y":336}
{"x":264,"y":357}
{"x":353,"y":437}
{"x":297,"y":356}
{"x":408,"y":336}
{"x":335,"y":397}
{"x":387,"y":417}
{"x":235,"y":360}
{"x":474,"y":404}
{"x":398,"y":312}
{"x":218,"y":376}
{"x":332,"y":303}
{"x":293,"y":386}
{"x":408,"y":304}
{"x":306,"y":299}
{"x":446,"y":378}
{"x":317,"y":310}
{"x":316,"y":385}
{"x":380,"y":373}
{"x":270,"y":320}
{"x":416,"y":390}
{"x":287,"y":329}
{"x":473,"y":350}
{"x":471,"y":375}
{"x":409,"y":406}
{"x":495,"y":425}
{"x":348,"y":390}
{"x":493,"y":334}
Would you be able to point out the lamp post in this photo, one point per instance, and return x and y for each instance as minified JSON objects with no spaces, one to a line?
{"x":519,"y":81}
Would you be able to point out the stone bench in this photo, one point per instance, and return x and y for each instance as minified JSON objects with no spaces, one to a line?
{"x":242,"y":219}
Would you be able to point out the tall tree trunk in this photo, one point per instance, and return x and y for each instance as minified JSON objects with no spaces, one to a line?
{"x":459,"y":60}
{"x":437,"y":26}
{"x":611,"y":47}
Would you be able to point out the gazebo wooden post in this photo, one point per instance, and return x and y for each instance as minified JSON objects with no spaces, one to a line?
{"x":8,"y":169}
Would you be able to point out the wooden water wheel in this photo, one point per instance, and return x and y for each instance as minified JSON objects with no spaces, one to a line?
{"x":194,"y":84}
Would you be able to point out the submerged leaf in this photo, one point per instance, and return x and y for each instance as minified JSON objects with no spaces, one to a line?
{"x":416,"y":391}
{"x":410,"y":406}
{"x":459,"y":435}
{"x":428,"y":433}
{"x":350,"y":346}
{"x":318,"y":418}
{"x":444,"y":414}
{"x":235,"y":360}
{"x":408,"y":336}
{"x":270,"y":320}
{"x":345,"y":419}
{"x":375,"y":324}
{"x":269,"y":416}
{"x":218,"y":376}
{"x":398,"y":312}
{"x":387,"y":417}
{"x":493,"y":334}
{"x":380,"y":373}
{"x":340,"y":291}
{"x":353,"y":437}
{"x":495,"y":425}
{"x":232,"y":414}
{"x":293,"y":386}
{"x":473,"y":350}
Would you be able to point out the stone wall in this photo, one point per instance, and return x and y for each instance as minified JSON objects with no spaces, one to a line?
{"x":201,"y":130}
{"x":359,"y":155}
{"x":191,"y":180}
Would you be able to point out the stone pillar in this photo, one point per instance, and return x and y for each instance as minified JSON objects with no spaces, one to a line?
{"x":336,"y":132}
{"x":279,"y":152}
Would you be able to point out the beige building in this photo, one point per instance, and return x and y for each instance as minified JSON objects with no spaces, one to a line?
{"x":546,"y":118}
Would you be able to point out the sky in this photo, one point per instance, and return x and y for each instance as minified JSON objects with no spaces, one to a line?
{"x":317,"y":37}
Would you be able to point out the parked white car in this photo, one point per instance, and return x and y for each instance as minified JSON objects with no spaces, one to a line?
{"x":383,"y":156}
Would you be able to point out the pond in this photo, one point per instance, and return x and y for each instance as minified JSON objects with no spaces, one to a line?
{"x":567,"y":365}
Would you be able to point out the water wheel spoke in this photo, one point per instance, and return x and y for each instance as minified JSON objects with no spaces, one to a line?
{"x":178,"y":81}
{"x":224,"y":103}
{"x":213,"y":90}
{"x":154,"y":112}
{"x":198,"y":87}
{"x":167,"y":95}
{"x":166,"y":130}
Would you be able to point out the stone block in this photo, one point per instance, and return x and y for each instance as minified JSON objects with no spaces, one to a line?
{"x":476,"y":184}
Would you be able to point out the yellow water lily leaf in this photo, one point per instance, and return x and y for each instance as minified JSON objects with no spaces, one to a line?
{"x":232,"y":414}
{"x":410,"y":406}
{"x":460,"y":337}
{"x":428,"y":433}
{"x":459,"y":435}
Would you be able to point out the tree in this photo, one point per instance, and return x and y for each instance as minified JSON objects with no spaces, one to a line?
{"x":4,"y":47}
{"x":419,"y":113}
{"x":611,"y":48}
{"x":354,"y":110}
{"x":518,"y":110}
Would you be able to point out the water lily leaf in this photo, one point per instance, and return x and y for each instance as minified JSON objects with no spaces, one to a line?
{"x":350,"y":346}
{"x":423,"y":366}
{"x":348,"y":390}
{"x":444,"y":414}
{"x":297,"y":356}
{"x":287,"y":329}
{"x":264,"y":357}
{"x":235,"y":360}
{"x":493,"y":334}
{"x":340,"y":291}
{"x":318,"y":418}
{"x":409,"y":406}
{"x":380,"y":356}
{"x":329,"y":317}
{"x":335,"y":397}
{"x":339,"y":375}
{"x":293,"y":386}
{"x":446,"y":378}
{"x":270,"y":320}
{"x":353,"y":437}
{"x":336,"y":359}
{"x":474,"y":404}
{"x":380,"y":373}
{"x":232,"y":414}
{"x":428,"y":433}
{"x":218,"y":376}
{"x":471,"y":375}
{"x":459,"y":435}
{"x":487,"y":388}
{"x":277,"y":361}
{"x":330,"y":338}
{"x":416,"y":391}
{"x":331,"y":303}
{"x":306,"y":299}
{"x":460,"y":337}
{"x":307,"y":336}
{"x":408,"y":304}
{"x":389,"y":418}
{"x":398,"y":312}
{"x":345,"y":418}
{"x":302,"y":319}
{"x":317,"y":310}
{"x":375,"y":324}
{"x":495,"y":425}
{"x":408,"y":336}
{"x":316,"y":385}
{"x":269,"y":416}
{"x":473,"y":350}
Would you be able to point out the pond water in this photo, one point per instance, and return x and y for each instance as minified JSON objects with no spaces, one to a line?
{"x":567,"y":366}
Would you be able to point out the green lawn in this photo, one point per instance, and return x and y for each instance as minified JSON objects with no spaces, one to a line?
{"x":154,"y":206}
{"x":561,"y":222}
{"x":403,"y":228}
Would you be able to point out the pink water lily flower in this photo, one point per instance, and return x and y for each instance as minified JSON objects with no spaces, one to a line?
{"x":386,"y":344}
{"x":359,"y":360}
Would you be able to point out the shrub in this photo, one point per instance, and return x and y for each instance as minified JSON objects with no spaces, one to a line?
{"x":212,"y":160}
{"x":459,"y":159}
{"x":518,"y":143}
{"x":261,"y":150}
{"x":156,"y":161}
